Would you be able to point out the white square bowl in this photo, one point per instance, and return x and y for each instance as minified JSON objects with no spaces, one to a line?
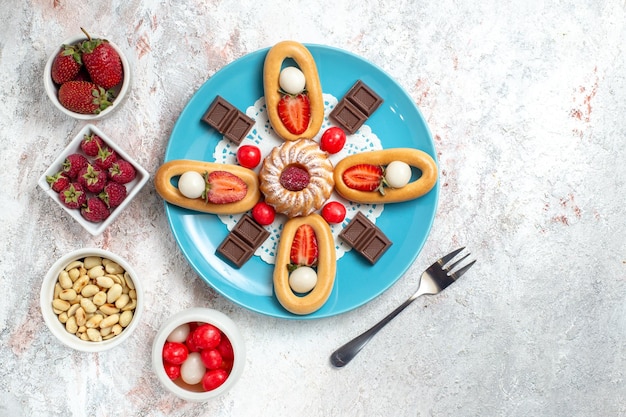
{"x":132,"y":187}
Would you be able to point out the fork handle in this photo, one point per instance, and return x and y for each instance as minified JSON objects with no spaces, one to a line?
{"x":347,"y":352}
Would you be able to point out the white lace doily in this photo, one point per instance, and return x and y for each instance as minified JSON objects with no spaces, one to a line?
{"x":263,"y":136}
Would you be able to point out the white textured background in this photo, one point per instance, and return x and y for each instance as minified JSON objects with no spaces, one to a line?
{"x":527,"y":103}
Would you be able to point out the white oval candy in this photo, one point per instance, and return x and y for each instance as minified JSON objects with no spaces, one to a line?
{"x":292,"y":80}
{"x":398,"y":174}
{"x":303,"y":279}
{"x":179,"y":334}
{"x":191,"y":184}
{"x":192,"y":370}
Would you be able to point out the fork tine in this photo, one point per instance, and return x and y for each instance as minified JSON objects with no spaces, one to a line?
{"x":449,"y":256}
{"x":451,"y":267}
{"x":457,"y":274}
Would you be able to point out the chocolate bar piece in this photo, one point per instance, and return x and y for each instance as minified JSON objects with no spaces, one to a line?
{"x":364,"y":98}
{"x":346,"y":115}
{"x":356,"y":107}
{"x":228,"y":120}
{"x":235,"y":250}
{"x":250,"y":231}
{"x":219,"y":114}
{"x":365,"y":237}
{"x":239,"y":127}
{"x":242,"y":241}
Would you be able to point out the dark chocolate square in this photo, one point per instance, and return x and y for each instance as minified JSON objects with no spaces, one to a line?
{"x":358,"y":226}
{"x":235,"y":250}
{"x":238,"y":128}
{"x":375,"y":246}
{"x":356,"y":106}
{"x":362,"y":96}
{"x":219,"y":114}
{"x":250,"y":231}
{"x":228,"y":120}
{"x":365,"y":237}
{"x":242,"y":241}
{"x":348,"y":116}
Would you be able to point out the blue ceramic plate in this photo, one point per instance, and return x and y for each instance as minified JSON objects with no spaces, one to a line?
{"x":397,"y":123}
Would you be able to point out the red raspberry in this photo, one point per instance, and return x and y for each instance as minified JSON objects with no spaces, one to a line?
{"x":92,"y":178}
{"x":58,"y":181}
{"x":73,"y":196}
{"x":95,"y":210}
{"x":122,"y":172}
{"x":113,"y":194}
{"x":73,"y":164}
{"x":105,"y":157}
{"x":91,"y":144}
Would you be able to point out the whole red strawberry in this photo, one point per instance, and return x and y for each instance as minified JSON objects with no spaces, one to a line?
{"x":102,"y":61}
{"x":113,"y":194}
{"x":73,"y":164}
{"x":95,"y":210}
{"x":91,"y":144}
{"x":92,"y":178}
{"x":84,"y":97}
{"x":105,"y":157}
{"x":58,"y":181}
{"x":122,"y":171}
{"x":66,"y":64}
{"x":73,"y":196}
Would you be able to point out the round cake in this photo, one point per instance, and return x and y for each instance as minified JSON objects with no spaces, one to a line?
{"x":296,"y":178}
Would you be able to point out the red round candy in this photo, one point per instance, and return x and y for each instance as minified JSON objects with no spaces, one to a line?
{"x":334,"y":212}
{"x":227,"y":365}
{"x":175,"y":353}
{"x":211,"y":358}
{"x":191,"y":345}
{"x":225,"y":348}
{"x":172,"y":371}
{"x":206,"y":336}
{"x":333,"y":140}
{"x":213,"y":379}
{"x":248,"y":156}
{"x":263,"y":213}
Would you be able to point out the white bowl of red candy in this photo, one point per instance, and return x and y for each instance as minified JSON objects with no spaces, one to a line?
{"x":198,"y":354}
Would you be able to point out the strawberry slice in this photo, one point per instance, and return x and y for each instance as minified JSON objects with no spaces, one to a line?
{"x":304,"y":249}
{"x":224,"y":187}
{"x":295,"y":112}
{"x":364,"y":177}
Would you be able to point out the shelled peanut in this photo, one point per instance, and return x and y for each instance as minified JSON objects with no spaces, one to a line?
{"x":95,"y":298}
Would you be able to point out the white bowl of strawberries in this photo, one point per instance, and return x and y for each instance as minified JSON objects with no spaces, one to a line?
{"x":93,"y":179}
{"x":87,"y":78}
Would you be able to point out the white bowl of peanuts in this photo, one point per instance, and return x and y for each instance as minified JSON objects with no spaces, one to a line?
{"x":91,"y":300}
